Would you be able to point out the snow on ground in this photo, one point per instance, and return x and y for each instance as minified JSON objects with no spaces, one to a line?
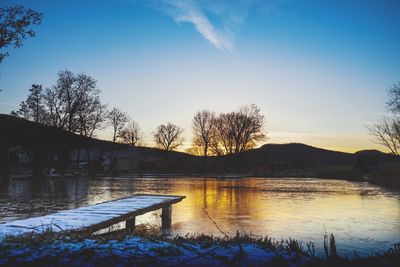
{"x":142,"y":251}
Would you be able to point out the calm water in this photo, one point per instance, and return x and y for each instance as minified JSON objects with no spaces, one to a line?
{"x":362,"y":217}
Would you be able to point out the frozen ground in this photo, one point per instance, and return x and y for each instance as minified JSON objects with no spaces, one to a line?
{"x":145,"y":251}
{"x":142,"y":251}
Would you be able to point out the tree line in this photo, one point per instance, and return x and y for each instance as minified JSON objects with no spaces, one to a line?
{"x":73,"y":104}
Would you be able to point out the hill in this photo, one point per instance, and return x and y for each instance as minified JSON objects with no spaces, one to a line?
{"x":45,"y":144}
{"x":42,"y":142}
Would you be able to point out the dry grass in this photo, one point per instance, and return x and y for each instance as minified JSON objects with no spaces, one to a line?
{"x":203,"y":245}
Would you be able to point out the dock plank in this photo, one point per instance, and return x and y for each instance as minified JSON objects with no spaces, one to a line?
{"x":90,"y":218}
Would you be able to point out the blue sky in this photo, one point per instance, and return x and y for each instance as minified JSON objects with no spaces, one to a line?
{"x":319,"y":70}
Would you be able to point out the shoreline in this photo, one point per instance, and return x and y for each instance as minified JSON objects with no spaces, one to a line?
{"x":148,"y":247}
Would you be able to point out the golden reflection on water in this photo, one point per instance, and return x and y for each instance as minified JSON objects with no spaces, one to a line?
{"x":356,"y":213}
{"x":361,"y":216}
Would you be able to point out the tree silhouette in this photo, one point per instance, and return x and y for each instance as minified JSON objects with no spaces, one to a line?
{"x":73,"y":104}
{"x":15,"y":26}
{"x":386,"y":130}
{"x":248,"y":128}
{"x":238,"y":131}
{"x":117,"y":120}
{"x":92,"y":116}
{"x":33,"y":108}
{"x":203,"y":130}
{"x":168,"y":136}
{"x":393,"y":102}
{"x":131,"y":134}
{"x":222,"y":143}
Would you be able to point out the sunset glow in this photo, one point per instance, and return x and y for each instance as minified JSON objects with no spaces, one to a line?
{"x":319,"y":71}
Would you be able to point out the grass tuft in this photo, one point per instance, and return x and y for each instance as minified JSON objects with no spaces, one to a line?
{"x":194,"y":246}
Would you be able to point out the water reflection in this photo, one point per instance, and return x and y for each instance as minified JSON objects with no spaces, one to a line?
{"x":362,"y":216}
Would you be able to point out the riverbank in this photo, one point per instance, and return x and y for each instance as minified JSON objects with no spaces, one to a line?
{"x":155,"y":249}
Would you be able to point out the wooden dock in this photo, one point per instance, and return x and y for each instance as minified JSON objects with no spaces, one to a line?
{"x":89,"y":219}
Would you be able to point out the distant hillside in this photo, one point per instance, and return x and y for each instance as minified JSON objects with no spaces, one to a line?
{"x":18,"y":131}
{"x":22,"y":132}
{"x":42,"y":139}
{"x":305,"y":154}
{"x":376,"y":153}
{"x":270,"y":159}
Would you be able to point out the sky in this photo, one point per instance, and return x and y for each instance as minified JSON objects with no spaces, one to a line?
{"x":319,"y":70}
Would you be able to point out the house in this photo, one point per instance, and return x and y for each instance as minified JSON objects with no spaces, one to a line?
{"x":20,"y":155}
{"x":118,"y":161}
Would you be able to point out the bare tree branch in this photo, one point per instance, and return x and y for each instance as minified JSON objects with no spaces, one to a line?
{"x":238,"y":131}
{"x":33,"y":108}
{"x":117,"y":119}
{"x":168,"y":136}
{"x":131,"y":134}
{"x":386,"y":130}
{"x":15,"y":22}
{"x":203,"y":130}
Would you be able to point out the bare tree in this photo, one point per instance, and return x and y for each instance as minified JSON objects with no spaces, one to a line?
{"x":203,"y":130}
{"x":387,"y":132}
{"x":55,"y":107}
{"x":15,"y":22}
{"x":131,"y":134}
{"x":73,"y":104}
{"x":35,"y":103}
{"x":22,"y":112}
{"x":117,"y":119}
{"x":393,"y":102}
{"x":248,"y":128}
{"x":62,"y":101}
{"x":92,"y":117}
{"x":222,"y":143}
{"x":78,"y":95}
{"x":33,"y":107}
{"x":238,"y":131}
{"x":387,"y":129}
{"x":91,"y":114}
{"x":169,"y":136}
{"x":74,"y":101}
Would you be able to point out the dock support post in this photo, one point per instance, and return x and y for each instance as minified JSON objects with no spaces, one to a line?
{"x":166,"y":215}
{"x":130,"y":224}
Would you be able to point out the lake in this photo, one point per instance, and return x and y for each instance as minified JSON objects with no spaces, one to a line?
{"x":363,"y":217}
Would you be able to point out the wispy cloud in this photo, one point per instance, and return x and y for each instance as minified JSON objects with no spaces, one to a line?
{"x":230,"y":15}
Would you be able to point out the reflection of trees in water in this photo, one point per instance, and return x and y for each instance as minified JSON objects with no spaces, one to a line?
{"x":98,"y":191}
{"x":204,"y":193}
{"x":263,"y":206}
{"x":101,"y":190}
{"x":223,"y":198}
{"x":63,"y":191}
{"x":76,"y":190}
{"x":227,"y":199}
{"x":22,"y":188}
